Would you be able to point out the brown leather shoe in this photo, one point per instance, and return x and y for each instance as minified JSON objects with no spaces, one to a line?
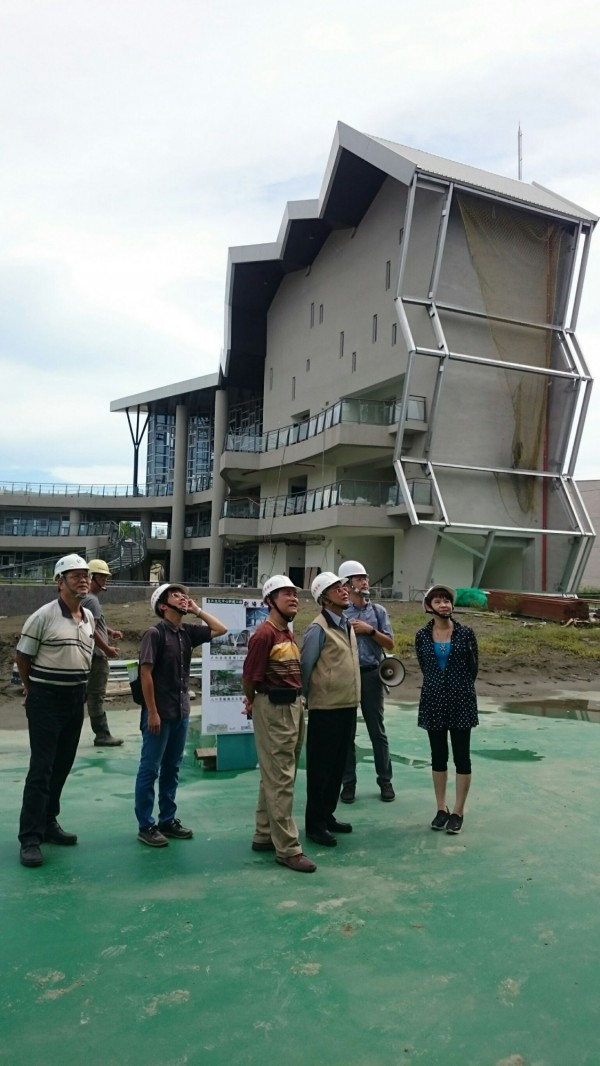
{"x":298,"y":862}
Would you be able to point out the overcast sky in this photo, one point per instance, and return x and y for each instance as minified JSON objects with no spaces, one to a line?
{"x":141,"y":138}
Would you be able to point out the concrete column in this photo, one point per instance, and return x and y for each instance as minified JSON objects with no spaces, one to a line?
{"x":418,"y":559}
{"x":146,"y":524}
{"x":179,"y":484}
{"x":215,"y":563}
{"x":74,"y":520}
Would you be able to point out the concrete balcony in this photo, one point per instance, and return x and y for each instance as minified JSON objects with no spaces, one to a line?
{"x":362,"y":505}
{"x":351,"y":426}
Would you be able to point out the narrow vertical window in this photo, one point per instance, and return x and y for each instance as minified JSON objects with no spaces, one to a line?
{"x":307,"y":365}
{"x":342,"y":345}
{"x":400,"y":234}
{"x":394,"y":332}
{"x":374,"y":329}
{"x":270,"y":379}
{"x":388,"y":274}
{"x":312,"y":315}
{"x":353,"y":362}
{"x":320,"y":314}
{"x":293,"y":388}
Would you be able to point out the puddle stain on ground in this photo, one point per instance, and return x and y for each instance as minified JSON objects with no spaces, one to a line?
{"x":510,"y":754}
{"x":568,"y":709}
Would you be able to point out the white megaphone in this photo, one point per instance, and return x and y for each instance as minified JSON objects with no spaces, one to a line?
{"x":391,"y":671}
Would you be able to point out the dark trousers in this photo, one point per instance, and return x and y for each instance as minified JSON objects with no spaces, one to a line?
{"x":461,"y":749}
{"x":54,"y":719}
{"x":328,"y":736}
{"x":371,"y":705}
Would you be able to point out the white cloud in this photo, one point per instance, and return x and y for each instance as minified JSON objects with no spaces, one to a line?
{"x":142,"y":138}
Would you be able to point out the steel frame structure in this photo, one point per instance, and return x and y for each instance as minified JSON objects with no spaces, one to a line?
{"x":579,"y":527}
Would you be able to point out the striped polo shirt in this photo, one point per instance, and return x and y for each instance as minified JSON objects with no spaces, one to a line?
{"x":60,"y":648}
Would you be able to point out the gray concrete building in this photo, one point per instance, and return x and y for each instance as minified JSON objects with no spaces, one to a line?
{"x":400,"y":383}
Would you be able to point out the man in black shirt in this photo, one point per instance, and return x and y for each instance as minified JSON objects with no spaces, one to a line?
{"x":165,"y":657}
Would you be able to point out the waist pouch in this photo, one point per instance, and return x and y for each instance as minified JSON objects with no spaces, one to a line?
{"x":283,"y":696}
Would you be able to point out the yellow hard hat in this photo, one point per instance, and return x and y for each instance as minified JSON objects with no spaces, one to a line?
{"x":98,"y":566}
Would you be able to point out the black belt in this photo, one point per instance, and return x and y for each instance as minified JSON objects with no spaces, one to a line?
{"x":367,"y":669}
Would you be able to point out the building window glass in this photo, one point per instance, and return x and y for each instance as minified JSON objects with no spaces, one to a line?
{"x":312,"y":315}
{"x":270,"y":379}
{"x":307,"y":366}
{"x":353,"y":368}
{"x":388,"y":274}
{"x":394,"y":332}
{"x":341,"y":345}
{"x":320,"y":314}
{"x":293,"y":388}
{"x":374,"y":329}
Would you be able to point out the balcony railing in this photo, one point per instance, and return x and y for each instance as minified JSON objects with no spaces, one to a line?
{"x":345,"y":493}
{"x":366,"y":412}
{"x":198,"y":483}
{"x":31,"y":527}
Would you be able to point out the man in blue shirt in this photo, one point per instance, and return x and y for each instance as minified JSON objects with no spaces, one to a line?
{"x":374,"y":636}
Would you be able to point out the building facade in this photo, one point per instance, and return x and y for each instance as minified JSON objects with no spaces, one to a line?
{"x":400,"y":383}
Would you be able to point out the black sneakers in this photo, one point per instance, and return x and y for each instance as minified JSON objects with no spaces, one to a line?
{"x":454,"y":825}
{"x":387,"y":792}
{"x":441,"y":819}
{"x":175,"y":830}
{"x":347,"y":794}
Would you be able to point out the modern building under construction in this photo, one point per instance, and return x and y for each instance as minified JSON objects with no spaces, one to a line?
{"x":401,"y":383}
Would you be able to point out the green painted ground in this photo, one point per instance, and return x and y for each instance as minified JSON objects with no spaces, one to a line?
{"x":405,"y":947}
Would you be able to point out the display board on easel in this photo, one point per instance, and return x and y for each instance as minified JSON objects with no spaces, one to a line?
{"x":222,"y":695}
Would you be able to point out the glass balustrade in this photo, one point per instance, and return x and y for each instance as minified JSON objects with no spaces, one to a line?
{"x":366,"y":412}
{"x":345,"y":493}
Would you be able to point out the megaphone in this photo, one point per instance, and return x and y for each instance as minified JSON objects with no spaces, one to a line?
{"x":391,"y":671}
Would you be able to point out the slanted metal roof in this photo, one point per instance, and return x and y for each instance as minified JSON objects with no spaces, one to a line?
{"x":166,"y":398}
{"x":486,"y":181}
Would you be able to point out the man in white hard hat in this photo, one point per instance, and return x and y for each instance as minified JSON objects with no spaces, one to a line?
{"x":54,"y":656}
{"x":331,"y":683}
{"x":165,"y":657}
{"x":103,"y":651}
{"x":374,"y":636}
{"x":273,"y":696}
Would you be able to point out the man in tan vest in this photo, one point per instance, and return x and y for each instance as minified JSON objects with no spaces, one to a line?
{"x":331,"y":683}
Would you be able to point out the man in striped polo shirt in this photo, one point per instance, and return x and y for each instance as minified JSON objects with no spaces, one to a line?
{"x":54,"y":656}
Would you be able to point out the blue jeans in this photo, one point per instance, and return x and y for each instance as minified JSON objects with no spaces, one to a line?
{"x":161,"y":757}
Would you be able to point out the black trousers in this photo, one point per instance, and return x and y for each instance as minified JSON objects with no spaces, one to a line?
{"x":54,"y":718}
{"x":328,"y":738}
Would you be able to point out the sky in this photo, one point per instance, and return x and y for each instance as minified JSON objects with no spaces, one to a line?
{"x":142,"y":138}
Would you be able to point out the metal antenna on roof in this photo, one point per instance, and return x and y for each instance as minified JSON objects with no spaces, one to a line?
{"x":520,"y":153}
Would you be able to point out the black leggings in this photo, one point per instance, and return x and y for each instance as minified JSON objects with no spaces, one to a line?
{"x":461,"y":743}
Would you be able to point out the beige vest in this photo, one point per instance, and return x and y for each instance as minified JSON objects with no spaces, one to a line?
{"x":335,"y":680}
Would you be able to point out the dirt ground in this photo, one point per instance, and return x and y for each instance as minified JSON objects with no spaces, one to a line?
{"x":513,"y":675}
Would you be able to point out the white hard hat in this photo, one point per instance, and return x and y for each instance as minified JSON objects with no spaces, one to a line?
{"x":98,"y":566}
{"x":450,"y":593}
{"x":69,"y":562}
{"x":324,"y":581}
{"x":278,"y":581}
{"x":352,"y":568}
{"x":162,"y":591}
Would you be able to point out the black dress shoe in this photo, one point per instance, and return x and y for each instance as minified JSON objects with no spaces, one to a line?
{"x":31,"y":855}
{"x":339,"y":827}
{"x":325,"y":838}
{"x":55,"y":835}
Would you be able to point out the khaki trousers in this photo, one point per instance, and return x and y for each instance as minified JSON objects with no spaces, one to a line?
{"x":279,"y":732}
